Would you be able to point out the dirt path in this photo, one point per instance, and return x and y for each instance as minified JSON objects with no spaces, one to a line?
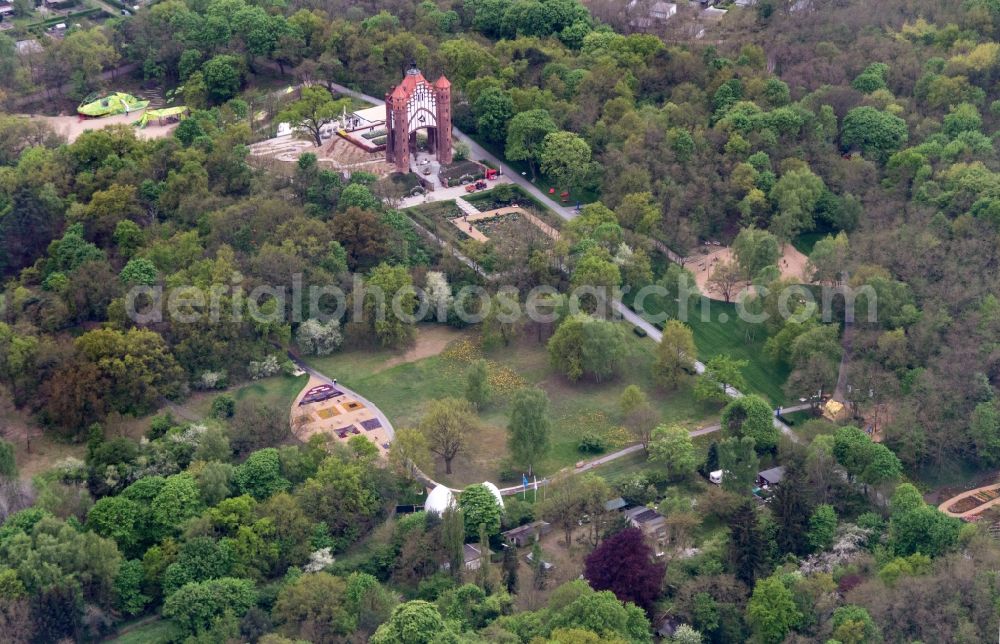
{"x":430,"y":342}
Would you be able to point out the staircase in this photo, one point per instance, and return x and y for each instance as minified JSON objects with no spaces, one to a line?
{"x":154,"y":97}
{"x":466,"y":207}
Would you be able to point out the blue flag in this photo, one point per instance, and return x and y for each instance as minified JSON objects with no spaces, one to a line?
{"x":524,"y":481}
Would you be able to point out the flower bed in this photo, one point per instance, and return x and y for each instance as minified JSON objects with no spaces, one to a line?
{"x":964,"y":505}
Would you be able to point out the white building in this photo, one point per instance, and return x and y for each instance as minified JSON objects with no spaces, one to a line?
{"x":648,"y":14}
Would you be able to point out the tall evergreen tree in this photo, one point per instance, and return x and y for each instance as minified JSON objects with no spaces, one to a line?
{"x":791,"y":511}
{"x":747,"y":543}
{"x":453,"y":538}
{"x":509,"y":565}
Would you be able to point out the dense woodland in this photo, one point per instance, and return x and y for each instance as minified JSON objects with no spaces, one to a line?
{"x":867,"y":125}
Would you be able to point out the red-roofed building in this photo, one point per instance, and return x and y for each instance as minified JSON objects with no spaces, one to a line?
{"x":416,"y":104}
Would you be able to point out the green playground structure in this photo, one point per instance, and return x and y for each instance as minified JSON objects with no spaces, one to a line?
{"x":97,"y":105}
{"x":163,"y":115}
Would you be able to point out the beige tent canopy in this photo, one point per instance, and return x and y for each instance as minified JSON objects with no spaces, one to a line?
{"x":833,"y":410}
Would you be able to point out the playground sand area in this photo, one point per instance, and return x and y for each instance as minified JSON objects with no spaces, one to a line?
{"x":73,"y":126}
{"x":792,"y":264}
{"x":340,"y":416}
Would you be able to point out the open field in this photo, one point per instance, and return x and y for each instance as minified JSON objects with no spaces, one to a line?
{"x":403,"y":391}
{"x":34,"y":449}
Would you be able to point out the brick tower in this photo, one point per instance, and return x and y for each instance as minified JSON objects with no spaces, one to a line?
{"x":412,"y":105}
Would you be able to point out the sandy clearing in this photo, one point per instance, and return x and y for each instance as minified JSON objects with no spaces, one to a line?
{"x":34,"y":451}
{"x":430,"y":342}
{"x":793,"y":264}
{"x":73,"y":126}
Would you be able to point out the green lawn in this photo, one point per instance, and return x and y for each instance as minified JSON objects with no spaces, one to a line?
{"x":403,"y":392}
{"x":720,"y":331}
{"x":279,"y":390}
{"x":161,"y":631}
{"x":578,"y":408}
{"x":805,"y":242}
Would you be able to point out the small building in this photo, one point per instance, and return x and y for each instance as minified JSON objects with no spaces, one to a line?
{"x":652,"y":523}
{"x":526,"y":535}
{"x":646,"y":15}
{"x":6,"y":9}
{"x":615,"y":504}
{"x":771,"y":477}
{"x":715,"y":477}
{"x":28,"y":47}
{"x":59,"y":4}
{"x":368,"y":117}
{"x":474,"y":556}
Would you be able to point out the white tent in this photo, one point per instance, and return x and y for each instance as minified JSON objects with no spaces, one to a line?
{"x":495,"y":491}
{"x":439,"y":500}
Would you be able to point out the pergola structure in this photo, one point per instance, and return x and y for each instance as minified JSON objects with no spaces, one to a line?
{"x":416,"y":104}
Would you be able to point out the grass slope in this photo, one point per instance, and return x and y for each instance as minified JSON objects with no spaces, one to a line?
{"x":718,"y":330}
{"x":403,"y":392}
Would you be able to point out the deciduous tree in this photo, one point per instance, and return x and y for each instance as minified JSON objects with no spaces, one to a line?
{"x":755,"y":250}
{"x":529,"y":426}
{"x":751,"y":416}
{"x":675,"y":354}
{"x":586,"y":346}
{"x":477,"y":384}
{"x":624,"y":564}
{"x":525,"y":135}
{"x":566,"y":158}
{"x":448,"y":425}
{"x":772,"y":611}
{"x":314,"y":109}
{"x":479,"y":508}
{"x":671,"y":448}
{"x":721,"y":372}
